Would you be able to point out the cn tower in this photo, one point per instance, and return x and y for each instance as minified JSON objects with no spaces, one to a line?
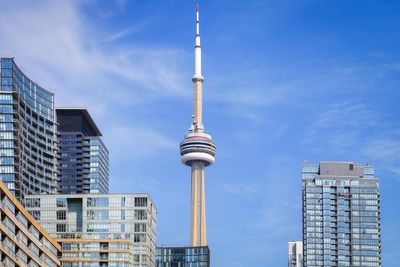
{"x":198,"y":151}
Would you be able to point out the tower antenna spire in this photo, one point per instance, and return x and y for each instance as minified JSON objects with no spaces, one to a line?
{"x":197,"y":49}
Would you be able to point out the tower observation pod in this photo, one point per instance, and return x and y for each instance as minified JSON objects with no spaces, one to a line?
{"x":197,"y":151}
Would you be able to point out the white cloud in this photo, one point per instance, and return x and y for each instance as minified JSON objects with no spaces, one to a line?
{"x":346,"y":114}
{"x":383,"y":149}
{"x":341,"y":127}
{"x":354,"y":131}
{"x":58,"y":47}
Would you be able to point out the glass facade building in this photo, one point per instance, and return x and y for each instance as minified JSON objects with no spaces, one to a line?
{"x":83,"y":156}
{"x":116,"y":230}
{"x":341,"y":215}
{"x":295,"y":254}
{"x":183,"y":257}
{"x":28,"y":141}
{"x":23,"y":241}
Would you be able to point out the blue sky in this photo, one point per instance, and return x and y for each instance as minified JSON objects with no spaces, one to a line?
{"x":286,"y":81}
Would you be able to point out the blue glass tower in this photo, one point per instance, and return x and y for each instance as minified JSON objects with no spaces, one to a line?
{"x":341,"y":215}
{"x":28,"y":142}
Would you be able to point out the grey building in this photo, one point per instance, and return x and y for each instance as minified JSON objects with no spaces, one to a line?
{"x":183,"y":256}
{"x":295,"y":254}
{"x":115,"y":230}
{"x":341,"y":215}
{"x":83,"y":155}
{"x":28,"y":141}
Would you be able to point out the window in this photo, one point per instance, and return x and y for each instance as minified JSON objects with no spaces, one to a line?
{"x":32,"y":202}
{"x":6,"y":135}
{"x":61,"y":202}
{"x":97,"y":214}
{"x":35,"y":214}
{"x":97,"y":228}
{"x":97,"y":202}
{"x":61,"y":215}
{"x":61,"y":227}
{"x":140,"y":227}
{"x":140,"y":215}
{"x":6,"y":161}
{"x":140,"y":201}
{"x":66,"y":246}
{"x":6,"y":108}
{"x":6,"y":152}
{"x":139,"y":238}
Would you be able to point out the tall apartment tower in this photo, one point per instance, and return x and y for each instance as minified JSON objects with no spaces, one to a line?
{"x":295,"y":254}
{"x":341,"y":215}
{"x":197,"y":151}
{"x":83,"y":155}
{"x":28,"y":141}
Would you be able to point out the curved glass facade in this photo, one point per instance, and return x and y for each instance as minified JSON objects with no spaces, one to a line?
{"x":28,"y":141}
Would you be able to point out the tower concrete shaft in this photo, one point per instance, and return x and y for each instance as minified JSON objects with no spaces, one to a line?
{"x":198,"y":211}
{"x":198,"y":151}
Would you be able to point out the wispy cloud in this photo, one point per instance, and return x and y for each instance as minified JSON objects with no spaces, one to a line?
{"x":55,"y":44}
{"x":56,"y":49}
{"x":350,"y":129}
{"x":120,"y":34}
{"x":347,"y":114}
{"x":383,"y":149}
{"x":341,"y":127}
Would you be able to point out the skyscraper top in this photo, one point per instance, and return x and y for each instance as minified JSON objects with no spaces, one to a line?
{"x":340,"y":169}
{"x":76,"y":120}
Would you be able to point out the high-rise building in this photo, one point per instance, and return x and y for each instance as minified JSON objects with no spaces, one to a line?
{"x":28,"y":141}
{"x":341,"y":215}
{"x":295,"y":254}
{"x":23,"y":241}
{"x":83,"y":155}
{"x":115,"y":230}
{"x":183,"y":256}
{"x":198,"y":151}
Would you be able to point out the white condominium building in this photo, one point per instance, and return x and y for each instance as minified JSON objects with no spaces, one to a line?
{"x":99,"y":229}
